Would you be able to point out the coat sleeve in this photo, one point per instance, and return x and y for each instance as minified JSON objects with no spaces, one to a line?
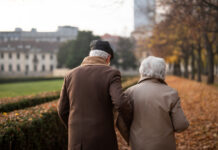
{"x":124,"y":126}
{"x":63,"y":105}
{"x":180,"y":123}
{"x":122,"y":101}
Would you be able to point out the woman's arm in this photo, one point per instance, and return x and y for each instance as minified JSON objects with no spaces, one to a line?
{"x":180,"y":123}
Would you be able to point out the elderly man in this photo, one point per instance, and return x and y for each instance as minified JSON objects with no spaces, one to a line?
{"x":157,"y":110}
{"x":88,"y":95}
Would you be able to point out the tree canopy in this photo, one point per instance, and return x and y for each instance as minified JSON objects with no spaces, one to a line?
{"x":72,"y":53}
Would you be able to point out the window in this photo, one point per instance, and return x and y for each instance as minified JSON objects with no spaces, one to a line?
{"x":18,"y":55}
{"x":27,"y":68}
{"x":35,"y":67}
{"x":2,"y":67}
{"x":20,"y":46}
{"x":28,"y":46}
{"x":27,"y":56}
{"x":35,"y":59}
{"x":43,"y":56}
{"x":18,"y":68}
{"x":2,"y":55}
{"x":10,"y":55}
{"x":51,"y":56}
{"x":10,"y":67}
{"x":51,"y":68}
{"x":35,"y":56}
{"x":43,"y":67}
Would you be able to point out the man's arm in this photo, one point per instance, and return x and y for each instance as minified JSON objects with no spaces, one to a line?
{"x":121,"y":101}
{"x":180,"y":123}
{"x":63,"y":105}
{"x":124,"y":126}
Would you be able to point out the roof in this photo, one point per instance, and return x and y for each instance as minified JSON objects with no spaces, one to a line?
{"x":29,"y":46}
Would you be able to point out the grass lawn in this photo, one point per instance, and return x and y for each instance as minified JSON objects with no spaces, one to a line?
{"x":28,"y":88}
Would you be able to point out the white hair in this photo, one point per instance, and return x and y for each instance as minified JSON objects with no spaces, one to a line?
{"x":99,"y":53}
{"x":153,"y":67}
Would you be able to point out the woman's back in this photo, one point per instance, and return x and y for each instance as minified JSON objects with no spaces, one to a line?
{"x":153,"y":122}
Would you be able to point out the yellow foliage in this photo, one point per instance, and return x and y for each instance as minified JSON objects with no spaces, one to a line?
{"x":172,"y":59}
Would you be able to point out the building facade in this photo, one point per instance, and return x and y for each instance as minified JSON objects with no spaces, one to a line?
{"x":33,"y":53}
{"x":144,"y":14}
{"x":144,"y":21}
{"x":27,"y":58}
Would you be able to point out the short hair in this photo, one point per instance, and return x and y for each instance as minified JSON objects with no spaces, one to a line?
{"x":99,"y":53}
{"x":153,"y":67}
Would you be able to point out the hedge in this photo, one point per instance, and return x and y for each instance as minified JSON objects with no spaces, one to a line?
{"x":10,"y":104}
{"x":37,"y":127}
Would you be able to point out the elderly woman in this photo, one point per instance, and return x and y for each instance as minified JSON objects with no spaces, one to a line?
{"x":157,"y":110}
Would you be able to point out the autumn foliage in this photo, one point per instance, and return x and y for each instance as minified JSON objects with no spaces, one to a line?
{"x":187,"y":36}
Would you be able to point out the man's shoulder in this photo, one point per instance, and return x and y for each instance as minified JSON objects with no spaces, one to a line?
{"x":70,"y":72}
{"x":107,"y":69}
{"x":114,"y":70}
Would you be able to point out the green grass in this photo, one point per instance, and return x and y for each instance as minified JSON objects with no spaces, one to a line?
{"x":28,"y":88}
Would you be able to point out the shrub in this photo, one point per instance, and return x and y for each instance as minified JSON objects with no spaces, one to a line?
{"x":10,"y":104}
{"x":33,"y":128}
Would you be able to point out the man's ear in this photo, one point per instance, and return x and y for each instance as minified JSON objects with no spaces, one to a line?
{"x":108,"y":60}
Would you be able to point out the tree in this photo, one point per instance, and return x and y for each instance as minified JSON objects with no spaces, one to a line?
{"x":124,"y":56}
{"x":63,"y":52}
{"x":202,"y":16}
{"x":72,"y":53}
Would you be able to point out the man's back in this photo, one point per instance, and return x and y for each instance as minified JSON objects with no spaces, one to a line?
{"x":91,"y":114}
{"x":85,"y":106}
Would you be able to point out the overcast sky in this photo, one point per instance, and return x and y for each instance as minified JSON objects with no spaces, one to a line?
{"x":99,"y":16}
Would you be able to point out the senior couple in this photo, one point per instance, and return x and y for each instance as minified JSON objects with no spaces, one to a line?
{"x":149,"y":112}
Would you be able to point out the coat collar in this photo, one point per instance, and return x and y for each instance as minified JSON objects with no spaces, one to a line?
{"x":94,"y":60}
{"x":142,"y":79}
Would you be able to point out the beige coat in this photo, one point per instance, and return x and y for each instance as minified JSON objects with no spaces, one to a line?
{"x":85,"y":106}
{"x":157,"y":115}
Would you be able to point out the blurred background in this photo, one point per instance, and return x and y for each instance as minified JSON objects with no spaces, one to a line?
{"x":41,"y":40}
{"x":49,"y":37}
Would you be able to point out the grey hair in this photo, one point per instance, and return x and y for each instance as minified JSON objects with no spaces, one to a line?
{"x":153,"y":67}
{"x":99,"y":53}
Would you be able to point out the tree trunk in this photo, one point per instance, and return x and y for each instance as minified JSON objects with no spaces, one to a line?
{"x":186,"y":74}
{"x":177,"y":68}
{"x":210,"y":59}
{"x":170,"y":68}
{"x":193,"y":64}
{"x":199,"y":61}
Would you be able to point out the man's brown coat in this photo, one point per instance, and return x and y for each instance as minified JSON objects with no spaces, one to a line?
{"x":85,"y":106}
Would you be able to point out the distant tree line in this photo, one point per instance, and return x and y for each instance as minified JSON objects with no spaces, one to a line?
{"x":72,"y":53}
